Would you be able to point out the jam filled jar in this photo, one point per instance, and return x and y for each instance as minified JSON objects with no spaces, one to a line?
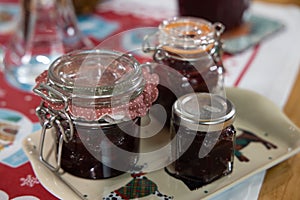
{"x":202,"y":127}
{"x":92,"y":104}
{"x":188,"y":53}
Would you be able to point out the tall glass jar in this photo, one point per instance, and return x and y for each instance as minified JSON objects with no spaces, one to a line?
{"x":189,"y":53}
{"x":205,"y":138}
{"x":93,"y":101}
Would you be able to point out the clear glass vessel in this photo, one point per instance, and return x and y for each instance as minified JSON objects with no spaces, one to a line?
{"x":205,"y":138}
{"x":93,"y":102}
{"x":189,"y":53}
{"x":47,"y":29}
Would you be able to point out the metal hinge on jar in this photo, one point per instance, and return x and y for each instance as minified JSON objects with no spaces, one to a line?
{"x":50,"y":119}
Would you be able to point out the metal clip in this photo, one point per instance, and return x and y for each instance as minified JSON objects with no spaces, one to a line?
{"x":219,"y":27}
{"x":47,"y":125}
{"x":217,"y":51}
{"x":146,"y":46}
{"x":160,"y":54}
{"x":58,"y":97}
{"x":44,"y":114}
{"x":49,"y":119}
{"x":54,"y":96}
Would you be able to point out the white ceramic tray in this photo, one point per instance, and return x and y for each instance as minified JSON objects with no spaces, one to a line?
{"x":274,"y":139}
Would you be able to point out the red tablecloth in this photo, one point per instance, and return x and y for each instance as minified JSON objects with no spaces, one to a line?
{"x":17,"y":106}
{"x":18,"y":178}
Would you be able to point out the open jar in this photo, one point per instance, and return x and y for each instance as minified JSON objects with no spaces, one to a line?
{"x":92,"y":102}
{"x":189,"y":53}
{"x":205,"y":138}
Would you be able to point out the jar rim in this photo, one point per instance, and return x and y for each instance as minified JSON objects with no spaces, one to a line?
{"x":188,"y":35}
{"x":203,"y":26}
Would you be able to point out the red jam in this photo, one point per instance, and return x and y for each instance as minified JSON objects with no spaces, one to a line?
{"x":190,"y":78}
{"x":82,"y":155}
{"x":202,"y":77}
{"x":202,"y":127}
{"x":197,"y":172}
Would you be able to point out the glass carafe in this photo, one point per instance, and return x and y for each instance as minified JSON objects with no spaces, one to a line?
{"x":47,"y":29}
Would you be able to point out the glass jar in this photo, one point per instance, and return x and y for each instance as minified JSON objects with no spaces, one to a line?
{"x":92,"y":102}
{"x":205,"y":138}
{"x":189,"y":53}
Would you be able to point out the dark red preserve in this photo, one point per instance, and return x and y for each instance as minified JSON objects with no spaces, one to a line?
{"x":202,"y":125}
{"x":189,"y":57}
{"x":81,"y":156}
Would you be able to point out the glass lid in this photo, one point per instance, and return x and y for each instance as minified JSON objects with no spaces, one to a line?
{"x":200,"y":110}
{"x":96,"y":74}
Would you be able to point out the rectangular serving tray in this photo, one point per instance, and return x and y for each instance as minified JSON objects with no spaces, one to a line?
{"x":266,"y":137}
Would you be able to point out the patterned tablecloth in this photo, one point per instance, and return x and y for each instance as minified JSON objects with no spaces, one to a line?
{"x":268,"y":67}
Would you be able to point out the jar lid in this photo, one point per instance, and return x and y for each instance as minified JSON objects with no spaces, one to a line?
{"x":97,"y":84}
{"x":97,"y":75}
{"x":203,"y":112}
{"x":188,"y":35}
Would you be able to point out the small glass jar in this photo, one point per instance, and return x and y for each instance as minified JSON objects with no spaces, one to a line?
{"x":205,"y":138}
{"x":189,"y":57}
{"x":92,"y":101}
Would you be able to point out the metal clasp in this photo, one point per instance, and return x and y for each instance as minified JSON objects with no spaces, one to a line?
{"x":49,"y":120}
{"x":146,"y":45}
{"x":52,"y":95}
{"x":217,"y":51}
{"x":160,"y":54}
{"x":47,"y":125}
{"x":219,"y":28}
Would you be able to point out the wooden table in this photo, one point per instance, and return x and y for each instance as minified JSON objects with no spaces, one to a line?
{"x":297,"y":2}
{"x":283,"y":180}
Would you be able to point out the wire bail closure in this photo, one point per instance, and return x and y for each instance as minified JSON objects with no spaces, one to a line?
{"x":50,"y":120}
